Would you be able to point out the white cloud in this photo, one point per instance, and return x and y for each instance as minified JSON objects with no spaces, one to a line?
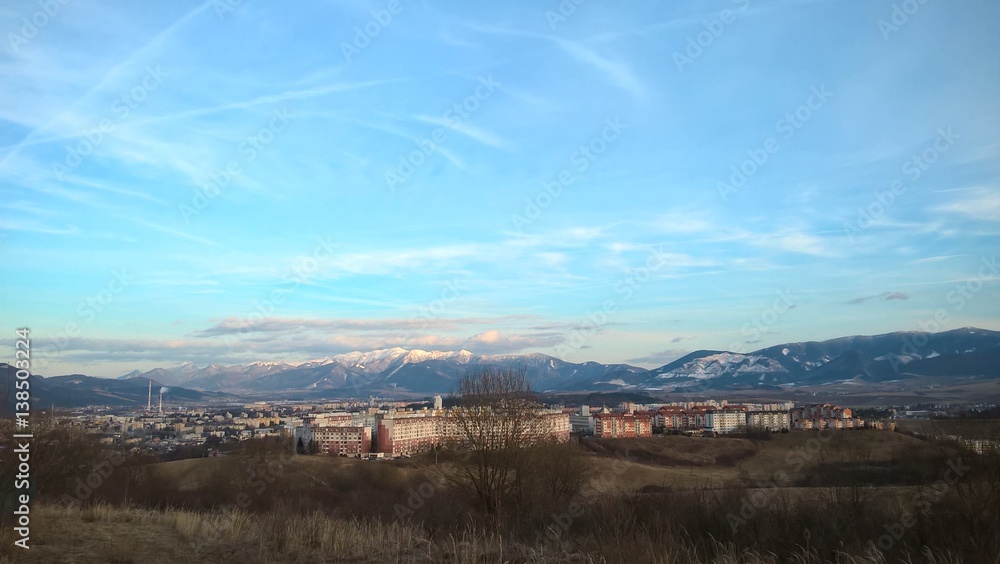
{"x":982,"y":204}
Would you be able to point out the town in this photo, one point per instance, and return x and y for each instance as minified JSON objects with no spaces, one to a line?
{"x":377,"y":429}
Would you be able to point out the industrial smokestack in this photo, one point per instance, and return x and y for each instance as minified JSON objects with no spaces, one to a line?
{"x":149,"y":400}
{"x":163,"y":390}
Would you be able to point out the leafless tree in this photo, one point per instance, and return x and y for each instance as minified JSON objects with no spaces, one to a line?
{"x":495,"y":422}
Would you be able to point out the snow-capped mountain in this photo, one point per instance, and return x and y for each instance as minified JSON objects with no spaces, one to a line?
{"x":361,"y":372}
{"x":967,"y":352}
{"x":705,"y":367}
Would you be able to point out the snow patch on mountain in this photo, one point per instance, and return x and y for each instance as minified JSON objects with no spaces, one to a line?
{"x":615,"y":382}
{"x":725,"y":364}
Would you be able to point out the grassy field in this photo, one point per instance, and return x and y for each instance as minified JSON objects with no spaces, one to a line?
{"x":656,"y":499}
{"x":965,"y":428}
{"x":672,"y":461}
{"x":696,"y":462}
{"x":129,"y":535}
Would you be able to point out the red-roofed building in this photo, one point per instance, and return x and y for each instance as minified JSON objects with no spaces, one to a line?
{"x":618,"y":425}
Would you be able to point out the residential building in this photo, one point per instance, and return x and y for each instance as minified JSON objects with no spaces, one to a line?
{"x":768,"y":420}
{"x":347,"y":440}
{"x":729,"y":419}
{"x":554,"y":426}
{"x":409,"y":433}
{"x":824,"y":416}
{"x":403,"y":433}
{"x":582,"y":422}
{"x":620,"y":425}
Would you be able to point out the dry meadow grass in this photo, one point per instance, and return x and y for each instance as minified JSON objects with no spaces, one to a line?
{"x":663,"y":499}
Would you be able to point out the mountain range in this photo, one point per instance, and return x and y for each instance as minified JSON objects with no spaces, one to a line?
{"x":856,"y":362}
{"x":901,"y":356}
{"x":78,"y":390}
{"x":385,"y":371}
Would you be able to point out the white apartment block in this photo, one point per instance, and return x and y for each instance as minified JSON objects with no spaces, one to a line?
{"x":725,"y":421}
{"x":768,"y":420}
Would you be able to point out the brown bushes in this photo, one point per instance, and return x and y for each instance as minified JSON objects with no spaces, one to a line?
{"x":934,"y":504}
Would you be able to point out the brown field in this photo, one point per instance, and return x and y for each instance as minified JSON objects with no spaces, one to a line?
{"x":690,"y":462}
{"x":965,"y":428}
{"x":656,"y":499}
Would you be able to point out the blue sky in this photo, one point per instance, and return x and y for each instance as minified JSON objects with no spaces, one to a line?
{"x":234,"y":181}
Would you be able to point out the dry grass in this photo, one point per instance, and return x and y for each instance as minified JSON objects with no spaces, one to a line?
{"x":103,"y":533}
{"x":123,"y":535}
{"x":697,"y":462}
{"x":323,"y":509}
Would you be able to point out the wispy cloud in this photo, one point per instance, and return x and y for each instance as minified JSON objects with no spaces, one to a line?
{"x":659,"y":358}
{"x":35,"y":227}
{"x":884,"y":297}
{"x":175,"y":233}
{"x":466,"y":129}
{"x":982,"y":204}
{"x":934,"y":259}
{"x":269,"y":100}
{"x":136,"y":57}
{"x":617,"y":72}
{"x":235,"y":326}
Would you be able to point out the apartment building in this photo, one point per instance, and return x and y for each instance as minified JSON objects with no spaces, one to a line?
{"x":409,"y":433}
{"x":554,"y":426}
{"x":402,"y":434}
{"x":729,"y":419}
{"x":824,"y":416}
{"x":348,"y":440}
{"x":582,"y":421}
{"x":768,"y":420}
{"x":620,"y":425}
{"x":822,"y":410}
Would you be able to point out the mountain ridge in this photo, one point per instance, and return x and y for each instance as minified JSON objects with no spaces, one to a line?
{"x":873,"y":360}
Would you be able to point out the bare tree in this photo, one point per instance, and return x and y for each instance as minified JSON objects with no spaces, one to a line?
{"x":495,"y":422}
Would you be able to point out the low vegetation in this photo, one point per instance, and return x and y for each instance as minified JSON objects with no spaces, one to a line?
{"x":506,"y":496}
{"x":850,"y":496}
